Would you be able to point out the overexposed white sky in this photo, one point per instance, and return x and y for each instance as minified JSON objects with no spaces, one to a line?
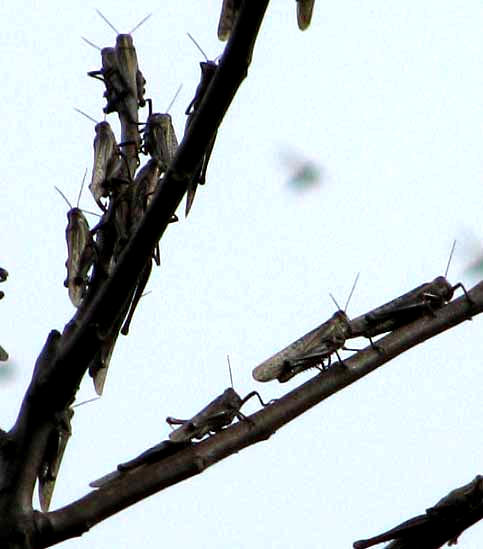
{"x":386,"y":99}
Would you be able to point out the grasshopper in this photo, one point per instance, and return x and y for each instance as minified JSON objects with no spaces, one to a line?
{"x":408,"y":307}
{"x":219,"y":413}
{"x":309,"y":350}
{"x":80,"y":251}
{"x":208,"y":70}
{"x":108,"y":162}
{"x":426,"y":530}
{"x":304,"y":13}
{"x":121,"y":75}
{"x":159,"y":136}
{"x":228,"y":15}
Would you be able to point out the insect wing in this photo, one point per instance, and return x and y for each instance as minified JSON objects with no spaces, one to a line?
{"x":106,"y":162}
{"x":229,"y":12}
{"x":304,"y":13}
{"x":79,"y":254}
{"x":160,"y":139}
{"x":128,"y":68}
{"x":54,"y":452}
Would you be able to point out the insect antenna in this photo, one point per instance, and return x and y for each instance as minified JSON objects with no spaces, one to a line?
{"x":91,"y":43}
{"x":86,"y":115}
{"x":198,"y":46}
{"x":140,"y":23}
{"x":85,"y":402}
{"x":351,"y":292}
{"x":108,"y":22}
{"x":450,"y":258}
{"x":229,"y":369}
{"x":63,"y":196}
{"x":174,"y":98}
{"x":82,"y":186}
{"x":336,"y":304}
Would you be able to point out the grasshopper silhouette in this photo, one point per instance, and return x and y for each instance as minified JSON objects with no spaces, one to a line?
{"x":219,"y":413}
{"x":80,"y":251}
{"x":208,"y":70}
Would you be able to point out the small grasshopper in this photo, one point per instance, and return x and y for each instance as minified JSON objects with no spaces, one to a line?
{"x":228,"y":15}
{"x":309,"y":350}
{"x":304,"y":13}
{"x":219,"y":413}
{"x":80,"y":250}
{"x":208,"y":70}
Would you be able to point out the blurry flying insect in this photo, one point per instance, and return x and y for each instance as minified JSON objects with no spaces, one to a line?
{"x":218,"y":414}
{"x":304,"y":13}
{"x":208,"y":70}
{"x":304,"y":174}
{"x":309,"y":350}
{"x":108,"y":162}
{"x":121,"y":75}
{"x":474,"y":252}
{"x":80,"y":249}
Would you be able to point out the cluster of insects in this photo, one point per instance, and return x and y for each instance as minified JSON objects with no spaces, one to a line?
{"x":3,"y":277}
{"x":123,"y":189}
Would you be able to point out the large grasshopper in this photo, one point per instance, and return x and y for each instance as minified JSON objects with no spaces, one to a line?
{"x":208,"y":70}
{"x":309,"y":350}
{"x":80,"y":251}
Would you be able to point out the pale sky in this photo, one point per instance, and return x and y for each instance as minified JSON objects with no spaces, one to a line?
{"x":386,"y":99}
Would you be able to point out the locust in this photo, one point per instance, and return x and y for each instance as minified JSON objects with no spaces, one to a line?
{"x":80,"y":250}
{"x":304,"y":13}
{"x":309,"y":350}
{"x":208,"y":70}
{"x":219,"y":413}
{"x":121,"y":75}
{"x":108,"y":162}
{"x":159,"y":136}
{"x":228,"y":15}
{"x":440,"y":521}
{"x":426,"y":298}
